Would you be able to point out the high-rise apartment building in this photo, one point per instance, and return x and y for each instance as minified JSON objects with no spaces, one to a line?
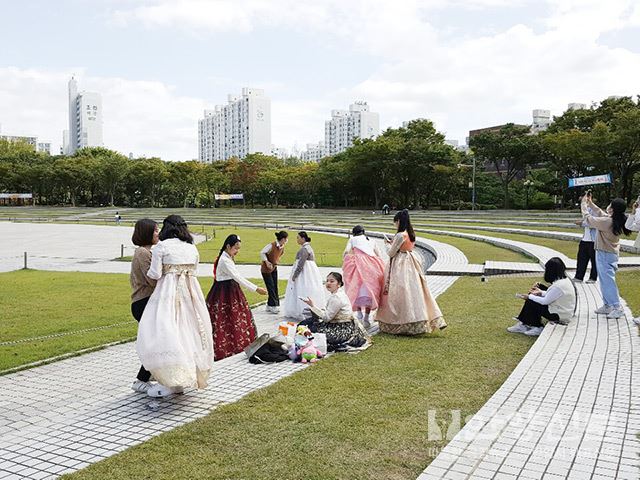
{"x":85,"y":120}
{"x":576,"y":106}
{"x":240,"y":127}
{"x":314,"y":152}
{"x":345,"y":126}
{"x":541,"y":120}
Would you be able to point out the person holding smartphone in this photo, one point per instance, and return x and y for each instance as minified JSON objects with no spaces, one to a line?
{"x":610,"y":224}
{"x":556,"y":303}
{"x":633,"y":224}
{"x":586,"y":252}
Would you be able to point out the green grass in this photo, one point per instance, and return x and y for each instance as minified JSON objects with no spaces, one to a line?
{"x":350,"y":416}
{"x":37,"y":303}
{"x":328,"y":248}
{"x":628,"y":281}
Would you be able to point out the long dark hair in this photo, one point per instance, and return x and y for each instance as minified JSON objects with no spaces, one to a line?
{"x":174,"y":226}
{"x":230,"y":241}
{"x":304,"y":235}
{"x":554,"y":269}
{"x":143,"y":232}
{"x":404,"y":224}
{"x":618,"y":217}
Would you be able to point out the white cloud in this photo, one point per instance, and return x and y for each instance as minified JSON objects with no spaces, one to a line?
{"x":143,"y":117}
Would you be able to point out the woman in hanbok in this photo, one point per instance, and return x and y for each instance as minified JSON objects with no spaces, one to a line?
{"x":231,"y":317}
{"x":305,"y":280}
{"x":336,"y":319}
{"x":363,"y":271}
{"x":407,"y":307}
{"x":174,"y":336}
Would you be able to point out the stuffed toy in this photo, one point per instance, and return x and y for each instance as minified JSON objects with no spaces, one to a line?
{"x":305,"y":348}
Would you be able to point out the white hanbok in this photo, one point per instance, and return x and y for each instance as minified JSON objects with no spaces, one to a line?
{"x":175,"y":341}
{"x":305,"y":281}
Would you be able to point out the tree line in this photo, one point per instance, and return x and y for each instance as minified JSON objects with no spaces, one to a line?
{"x":411,"y":166}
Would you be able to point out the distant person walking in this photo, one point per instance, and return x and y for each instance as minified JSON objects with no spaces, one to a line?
{"x":270,"y":256}
{"x":407,"y":306}
{"x":117,"y":218}
{"x":174,"y":337}
{"x":231,"y":318}
{"x":609,"y":225}
{"x":145,"y":236}
{"x":363,"y":271}
{"x":385,"y":209}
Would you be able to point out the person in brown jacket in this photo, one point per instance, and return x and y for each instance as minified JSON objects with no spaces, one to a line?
{"x":270,"y":255}
{"x":145,"y":236}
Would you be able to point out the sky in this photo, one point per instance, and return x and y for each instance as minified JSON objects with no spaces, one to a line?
{"x":463,"y":64}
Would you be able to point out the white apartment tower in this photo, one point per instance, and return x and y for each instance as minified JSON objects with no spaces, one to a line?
{"x":85,"y":120}
{"x":314,"y":152}
{"x":541,"y":120}
{"x":344,"y":126}
{"x":240,"y":127}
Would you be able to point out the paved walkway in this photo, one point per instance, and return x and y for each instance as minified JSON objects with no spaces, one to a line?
{"x":568,"y":411}
{"x":61,"y":417}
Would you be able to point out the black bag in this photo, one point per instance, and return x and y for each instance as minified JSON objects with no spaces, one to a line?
{"x":270,"y":352}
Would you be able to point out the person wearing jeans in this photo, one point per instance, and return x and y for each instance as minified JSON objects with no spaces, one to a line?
{"x":609,"y":225}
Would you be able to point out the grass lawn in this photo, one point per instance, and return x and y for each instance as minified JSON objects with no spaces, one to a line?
{"x":328,"y":248}
{"x":628,"y":281}
{"x":38,"y":303}
{"x":350,"y":416}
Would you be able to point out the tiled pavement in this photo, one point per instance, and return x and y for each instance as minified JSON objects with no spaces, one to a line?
{"x":568,"y":411}
{"x":61,"y":417}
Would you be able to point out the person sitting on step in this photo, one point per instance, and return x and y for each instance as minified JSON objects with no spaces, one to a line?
{"x":556,"y":303}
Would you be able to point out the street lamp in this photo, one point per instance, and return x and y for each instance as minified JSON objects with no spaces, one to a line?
{"x":526,"y":184}
{"x":473,"y":181}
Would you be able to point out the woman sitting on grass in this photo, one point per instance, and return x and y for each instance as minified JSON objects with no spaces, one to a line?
{"x":336,"y":321}
{"x":556,"y":303}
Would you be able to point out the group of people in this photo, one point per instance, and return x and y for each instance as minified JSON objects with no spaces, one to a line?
{"x":600,"y":246}
{"x":181,"y":333}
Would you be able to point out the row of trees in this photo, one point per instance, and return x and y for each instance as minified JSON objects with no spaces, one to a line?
{"x":408,"y":166}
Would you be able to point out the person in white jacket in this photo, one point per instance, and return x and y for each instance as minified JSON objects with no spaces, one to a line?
{"x":556,"y":304}
{"x":633,"y":224}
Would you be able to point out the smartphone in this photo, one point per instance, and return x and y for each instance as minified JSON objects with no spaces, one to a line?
{"x":303,"y":299}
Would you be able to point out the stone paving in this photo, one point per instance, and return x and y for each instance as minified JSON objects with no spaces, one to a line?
{"x":568,"y":411}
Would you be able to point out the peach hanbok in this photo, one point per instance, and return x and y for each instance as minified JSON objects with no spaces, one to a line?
{"x":407,"y":307}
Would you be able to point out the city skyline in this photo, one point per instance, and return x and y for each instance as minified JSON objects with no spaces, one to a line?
{"x":159,"y":64}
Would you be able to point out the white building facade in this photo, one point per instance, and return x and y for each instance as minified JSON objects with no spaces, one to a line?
{"x":541,"y":120}
{"x":240,"y":127}
{"x":346,"y":125}
{"x":314,"y":152}
{"x":85,"y":120}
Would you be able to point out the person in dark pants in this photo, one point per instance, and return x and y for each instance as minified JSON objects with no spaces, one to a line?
{"x":586,"y":254}
{"x":555,"y":303}
{"x":270,"y":256}
{"x":145,"y":236}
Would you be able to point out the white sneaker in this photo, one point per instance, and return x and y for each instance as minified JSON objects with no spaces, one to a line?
{"x":534,"y":331}
{"x":159,"y":391}
{"x":518,"y":328}
{"x":616,"y":313}
{"x":140,"y":386}
{"x":637,"y":321}
{"x":275,"y":309}
{"x":603,"y":310}
{"x":366,"y":323}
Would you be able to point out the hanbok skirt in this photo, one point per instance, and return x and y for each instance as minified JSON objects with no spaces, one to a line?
{"x":307,"y":285}
{"x":174,"y":336}
{"x":363,"y":279}
{"x":407,"y":307}
{"x":231,"y":319}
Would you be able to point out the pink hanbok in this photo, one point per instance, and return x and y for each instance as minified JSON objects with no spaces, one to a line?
{"x":363,"y":272}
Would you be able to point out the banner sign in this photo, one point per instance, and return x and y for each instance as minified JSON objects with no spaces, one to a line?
{"x":594,"y":180}
{"x":16,"y":196}
{"x":229,"y":196}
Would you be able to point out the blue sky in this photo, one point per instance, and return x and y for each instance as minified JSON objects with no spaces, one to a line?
{"x":159,"y":63}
